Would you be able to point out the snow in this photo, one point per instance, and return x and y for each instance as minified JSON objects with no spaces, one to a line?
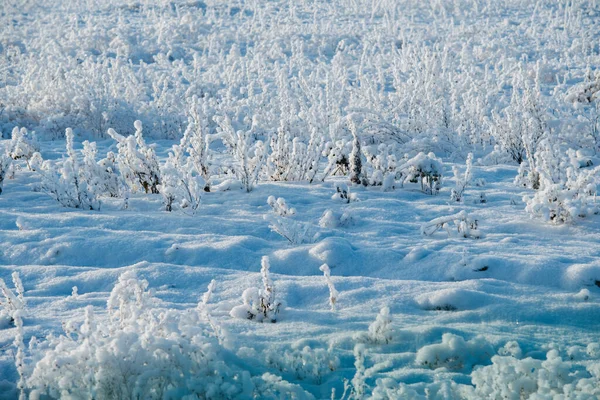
{"x":300,"y":199}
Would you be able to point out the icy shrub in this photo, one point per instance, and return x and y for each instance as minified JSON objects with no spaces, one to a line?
{"x":553,"y":378}
{"x":426,"y":169}
{"x":292,"y":159}
{"x":355,"y":156}
{"x":295,"y":232}
{"x":182,"y":184}
{"x":456,"y":194}
{"x":249,"y":155}
{"x":342,"y":193}
{"x":380,"y":331}
{"x":101,"y":176}
{"x":137,"y":161}
{"x":566,"y":190}
{"x":280,"y":207}
{"x":260,"y":305}
{"x":73,"y":185}
{"x":12,"y":305}
{"x":333,"y":219}
{"x":23,"y":145}
{"x":337,"y":158}
{"x":459,"y":224}
{"x":304,"y":363}
{"x":455,"y":353}
{"x":5,"y":162}
{"x":144,"y":354}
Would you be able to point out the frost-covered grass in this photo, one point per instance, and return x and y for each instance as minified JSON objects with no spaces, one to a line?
{"x":386,"y":199}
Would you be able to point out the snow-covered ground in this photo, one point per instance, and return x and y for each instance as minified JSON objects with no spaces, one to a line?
{"x":336,"y":138}
{"x":519,"y":281}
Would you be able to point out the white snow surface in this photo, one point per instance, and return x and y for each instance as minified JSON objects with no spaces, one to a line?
{"x":520,"y":281}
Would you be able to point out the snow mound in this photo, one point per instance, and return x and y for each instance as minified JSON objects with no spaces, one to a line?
{"x":578,"y":275}
{"x":333,"y":251}
{"x":452,"y":299}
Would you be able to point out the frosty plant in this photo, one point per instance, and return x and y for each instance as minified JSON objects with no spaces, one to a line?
{"x":280,"y":207}
{"x":457,"y":192}
{"x":260,"y":305}
{"x":459,"y":224}
{"x":380,"y":331}
{"x":426,"y":169}
{"x":566,"y":191}
{"x":137,"y":161}
{"x":144,"y":353}
{"x":355,"y":156}
{"x":23,"y":145}
{"x":5,"y":162}
{"x":342,"y":193}
{"x":182,"y":184}
{"x":12,"y":305}
{"x":72,"y":185}
{"x":249,"y":155}
{"x":333,"y":293}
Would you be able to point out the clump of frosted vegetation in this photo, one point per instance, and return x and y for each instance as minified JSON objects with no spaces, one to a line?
{"x":23,"y":145}
{"x":248,"y":155}
{"x":380,"y":331}
{"x":336,"y":219}
{"x":137,"y":161}
{"x":456,"y":225}
{"x":260,"y":304}
{"x":343,"y":194}
{"x":295,"y":232}
{"x":461,"y":182}
{"x":280,"y":207}
{"x":425,"y":169}
{"x":12,"y":305}
{"x":512,"y":378}
{"x":304,"y":362}
{"x":143,"y":352}
{"x":5,"y":163}
{"x":455,"y":353}
{"x":567,"y":190}
{"x":72,"y":184}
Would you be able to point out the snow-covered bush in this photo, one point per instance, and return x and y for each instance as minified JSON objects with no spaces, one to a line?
{"x":461,"y":182}
{"x":72,"y":185}
{"x":5,"y":163}
{"x":356,"y":168}
{"x":334,"y":219}
{"x":22,"y":145}
{"x":455,"y":353}
{"x":101,"y":176}
{"x":512,"y":378}
{"x":137,"y":161}
{"x":296,"y":232}
{"x":182,"y":185}
{"x":459,"y":224}
{"x":426,"y":169}
{"x":380,"y":330}
{"x":280,"y":207}
{"x":249,"y":155}
{"x":143,"y":352}
{"x":342,"y":193}
{"x":337,"y":158}
{"x":12,"y":305}
{"x":292,"y":159}
{"x":305,"y":363}
{"x":566,"y":190}
{"x":260,"y":305}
